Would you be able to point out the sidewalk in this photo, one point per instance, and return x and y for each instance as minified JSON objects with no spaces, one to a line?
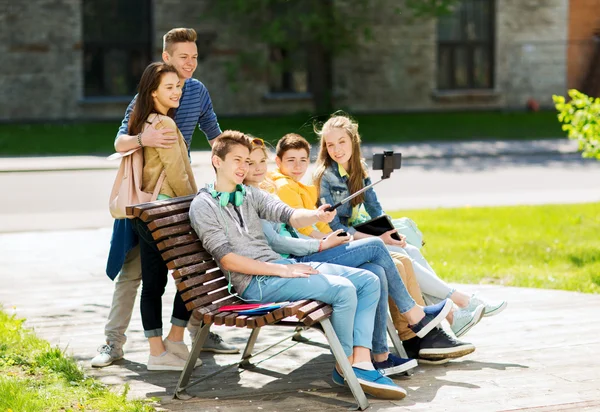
{"x":538,"y":355}
{"x":416,"y":150}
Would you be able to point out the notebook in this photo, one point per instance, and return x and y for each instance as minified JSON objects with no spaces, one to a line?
{"x":253,"y":308}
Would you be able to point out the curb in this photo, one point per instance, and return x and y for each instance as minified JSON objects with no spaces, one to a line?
{"x":416,"y":151}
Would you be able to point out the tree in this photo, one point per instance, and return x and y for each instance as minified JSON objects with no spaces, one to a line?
{"x":581,"y":120}
{"x":324,"y":28}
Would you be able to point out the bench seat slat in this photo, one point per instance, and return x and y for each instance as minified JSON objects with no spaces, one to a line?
{"x":293,"y":307}
{"x":210,"y":316}
{"x":206,"y":299}
{"x":317,"y":315}
{"x":219,"y":319}
{"x":308,"y":308}
{"x":240,"y":321}
{"x":231,"y":300}
{"x":230,"y":319}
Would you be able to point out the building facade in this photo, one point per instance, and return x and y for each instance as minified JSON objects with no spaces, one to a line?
{"x":81,"y":59}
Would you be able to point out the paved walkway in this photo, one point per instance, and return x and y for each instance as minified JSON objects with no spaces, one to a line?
{"x":428,"y":150}
{"x":540,"y":354}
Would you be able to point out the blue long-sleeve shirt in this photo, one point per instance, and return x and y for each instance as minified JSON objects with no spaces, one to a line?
{"x":195,"y":108}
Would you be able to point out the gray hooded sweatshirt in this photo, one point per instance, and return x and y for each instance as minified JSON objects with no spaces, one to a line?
{"x":238,"y":230}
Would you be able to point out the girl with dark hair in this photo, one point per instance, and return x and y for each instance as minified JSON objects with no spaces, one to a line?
{"x":159,"y":94}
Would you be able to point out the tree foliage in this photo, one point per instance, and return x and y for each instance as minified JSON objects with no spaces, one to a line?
{"x":580,"y":118}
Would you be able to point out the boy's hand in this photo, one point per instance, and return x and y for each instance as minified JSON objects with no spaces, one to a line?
{"x":334,"y":240}
{"x":161,"y":138}
{"x":323,"y":215}
{"x":297,"y":270}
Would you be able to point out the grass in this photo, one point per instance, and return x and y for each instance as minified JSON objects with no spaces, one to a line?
{"x":98,"y":138}
{"x":550,"y":247}
{"x":37,"y":377}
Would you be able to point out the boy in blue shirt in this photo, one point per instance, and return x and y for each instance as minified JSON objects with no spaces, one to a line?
{"x":195,"y":110}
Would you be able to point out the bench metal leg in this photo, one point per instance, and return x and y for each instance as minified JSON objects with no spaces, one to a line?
{"x":184,"y":378}
{"x":395,"y":338}
{"x":342,"y":360}
{"x":298,"y":336}
{"x":247,"y":354}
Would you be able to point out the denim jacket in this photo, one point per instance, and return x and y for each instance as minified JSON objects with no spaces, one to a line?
{"x":334,"y":188}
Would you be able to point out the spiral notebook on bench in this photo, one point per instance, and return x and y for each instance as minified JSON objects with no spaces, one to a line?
{"x":253,"y":308}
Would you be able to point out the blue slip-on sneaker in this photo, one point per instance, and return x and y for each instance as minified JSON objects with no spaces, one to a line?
{"x":337,"y":377}
{"x":377,"y":385}
{"x":434,"y":315}
{"x":394,"y":364}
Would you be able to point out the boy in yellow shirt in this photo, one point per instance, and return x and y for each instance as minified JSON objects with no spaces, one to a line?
{"x":293,"y":158}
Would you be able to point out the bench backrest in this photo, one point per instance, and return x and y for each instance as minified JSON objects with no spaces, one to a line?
{"x":202,"y":285}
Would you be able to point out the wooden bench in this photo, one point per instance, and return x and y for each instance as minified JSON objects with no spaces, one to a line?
{"x":203,"y":288}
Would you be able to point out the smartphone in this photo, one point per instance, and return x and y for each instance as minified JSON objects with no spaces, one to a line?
{"x":342,"y":234}
{"x":387,"y":161}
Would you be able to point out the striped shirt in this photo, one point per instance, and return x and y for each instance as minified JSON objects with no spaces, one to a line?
{"x":195,"y":108}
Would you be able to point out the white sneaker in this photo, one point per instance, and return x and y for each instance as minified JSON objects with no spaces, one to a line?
{"x":464,"y":319}
{"x":214,"y":343}
{"x":107,"y":355}
{"x":180,"y":349}
{"x":165,"y":362}
{"x":491,"y":308}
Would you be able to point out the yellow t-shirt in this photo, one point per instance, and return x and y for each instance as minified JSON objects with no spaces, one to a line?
{"x":298,"y":196}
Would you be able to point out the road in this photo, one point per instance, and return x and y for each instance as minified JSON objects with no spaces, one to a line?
{"x":77,"y":199}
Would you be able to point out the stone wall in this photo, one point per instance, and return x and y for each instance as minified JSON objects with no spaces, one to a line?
{"x":41,"y":76}
{"x":40,"y":45}
{"x":531,"y":50}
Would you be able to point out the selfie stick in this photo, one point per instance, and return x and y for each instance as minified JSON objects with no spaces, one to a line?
{"x":388,"y":168}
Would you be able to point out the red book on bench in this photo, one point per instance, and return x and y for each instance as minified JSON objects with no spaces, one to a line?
{"x":245,"y":306}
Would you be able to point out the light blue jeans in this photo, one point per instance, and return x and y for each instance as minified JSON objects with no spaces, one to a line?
{"x":434,"y":289}
{"x":353,"y":294}
{"x":372,"y":255}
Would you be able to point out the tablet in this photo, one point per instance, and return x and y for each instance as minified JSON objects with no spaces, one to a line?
{"x":377,"y":226}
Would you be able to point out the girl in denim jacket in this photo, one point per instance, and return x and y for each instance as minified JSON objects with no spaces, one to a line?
{"x":340,"y":171}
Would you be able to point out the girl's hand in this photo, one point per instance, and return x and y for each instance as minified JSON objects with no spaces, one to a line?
{"x":389,"y":240}
{"x":333,"y":240}
{"x":323,"y":215}
{"x":297,"y":270}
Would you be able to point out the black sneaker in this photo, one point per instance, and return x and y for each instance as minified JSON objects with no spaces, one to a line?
{"x":394,"y":364}
{"x":412,"y":347}
{"x":437,"y":344}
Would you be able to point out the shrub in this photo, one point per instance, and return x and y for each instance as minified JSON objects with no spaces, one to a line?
{"x":580,"y":118}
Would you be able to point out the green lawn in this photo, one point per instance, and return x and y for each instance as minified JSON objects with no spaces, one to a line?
{"x":552,"y":247}
{"x":37,"y":377}
{"x":97,"y":138}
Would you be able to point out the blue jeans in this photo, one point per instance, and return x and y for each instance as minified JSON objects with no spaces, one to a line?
{"x":372,"y":255}
{"x":353,"y":294}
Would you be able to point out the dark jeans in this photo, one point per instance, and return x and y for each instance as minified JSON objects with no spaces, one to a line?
{"x":154,"y":280}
